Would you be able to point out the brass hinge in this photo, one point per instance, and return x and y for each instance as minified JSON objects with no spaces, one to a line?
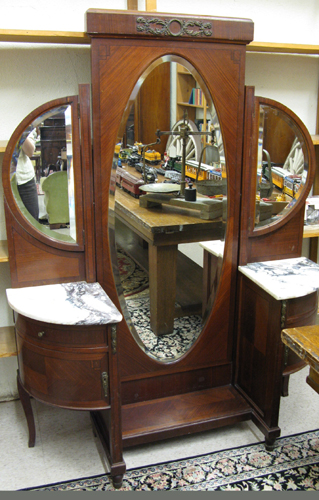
{"x":113,"y":338}
{"x":283,"y":313}
{"x":105,"y":383}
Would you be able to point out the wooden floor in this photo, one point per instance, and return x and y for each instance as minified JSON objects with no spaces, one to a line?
{"x":189,"y":274}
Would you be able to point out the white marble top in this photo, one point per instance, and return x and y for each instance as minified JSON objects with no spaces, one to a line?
{"x":284,"y":279}
{"x":78,"y":303}
{"x":215,"y":247}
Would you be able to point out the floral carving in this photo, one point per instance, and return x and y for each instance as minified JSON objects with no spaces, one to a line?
{"x":160,"y":27}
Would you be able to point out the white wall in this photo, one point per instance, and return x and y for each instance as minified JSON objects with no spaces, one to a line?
{"x":30,"y":75}
{"x":275,"y":20}
{"x":291,"y":21}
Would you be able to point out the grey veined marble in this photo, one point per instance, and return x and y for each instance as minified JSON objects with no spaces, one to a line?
{"x":284,"y":279}
{"x":78,"y":303}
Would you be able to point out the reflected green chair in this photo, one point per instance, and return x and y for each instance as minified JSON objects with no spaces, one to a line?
{"x":56,"y":201}
{"x":40,"y":227}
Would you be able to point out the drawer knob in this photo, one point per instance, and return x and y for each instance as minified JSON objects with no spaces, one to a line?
{"x":40,"y":334}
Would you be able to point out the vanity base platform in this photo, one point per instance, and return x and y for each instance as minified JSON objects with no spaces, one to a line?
{"x":183,"y":414}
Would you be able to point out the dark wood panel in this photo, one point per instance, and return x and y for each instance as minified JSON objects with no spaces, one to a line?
{"x":33,"y":263}
{"x":260,"y":361}
{"x":182,"y":414}
{"x":278,"y":143}
{"x":88,"y":187}
{"x":302,"y":311}
{"x":169,"y":384}
{"x":152,"y":111}
{"x":280,"y":243}
{"x":117,"y":22}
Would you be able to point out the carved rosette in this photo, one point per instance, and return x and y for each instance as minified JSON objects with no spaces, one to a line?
{"x":173,"y":27}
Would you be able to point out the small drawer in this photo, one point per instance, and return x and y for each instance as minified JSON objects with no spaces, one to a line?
{"x":62,"y":335}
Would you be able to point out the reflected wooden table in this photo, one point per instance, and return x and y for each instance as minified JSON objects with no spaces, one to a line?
{"x":163,"y":228}
{"x":312,"y":232}
{"x":304,"y":341}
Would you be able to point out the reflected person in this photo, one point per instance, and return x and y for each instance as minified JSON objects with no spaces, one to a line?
{"x":25,"y":174}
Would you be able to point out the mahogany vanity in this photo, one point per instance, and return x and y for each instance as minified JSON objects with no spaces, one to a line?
{"x":232,"y":371}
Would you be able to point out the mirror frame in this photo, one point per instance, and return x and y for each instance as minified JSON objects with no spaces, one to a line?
{"x":307,"y":148}
{"x":168,"y":58}
{"x":8,"y":194}
{"x":281,"y":239}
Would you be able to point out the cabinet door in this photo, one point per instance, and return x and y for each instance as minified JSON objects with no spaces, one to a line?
{"x":75,"y":379}
{"x":57,"y":246}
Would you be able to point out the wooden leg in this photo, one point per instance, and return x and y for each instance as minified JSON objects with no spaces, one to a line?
{"x":270,"y":444}
{"x":26,"y":405}
{"x":117,"y":481}
{"x":162,"y":280}
{"x":285,"y":386}
{"x":102,"y":424}
{"x":108,"y":423}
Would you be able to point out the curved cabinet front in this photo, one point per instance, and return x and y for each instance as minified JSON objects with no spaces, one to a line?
{"x":64,"y":365}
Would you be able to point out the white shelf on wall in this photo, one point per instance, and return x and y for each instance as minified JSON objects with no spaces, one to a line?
{"x":7,"y":337}
{"x":283,"y":48}
{"x":4,"y":254}
{"x":8,"y":346}
{"x":3,"y":145}
{"x":78,"y":37}
{"x":38,"y":36}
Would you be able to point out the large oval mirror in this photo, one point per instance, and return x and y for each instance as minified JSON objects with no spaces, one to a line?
{"x":168,"y":200}
{"x":282,"y":165}
{"x":42,"y":177}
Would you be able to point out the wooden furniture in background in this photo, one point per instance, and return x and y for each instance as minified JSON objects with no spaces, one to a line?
{"x":53,"y":140}
{"x":185,"y":83}
{"x":154,"y":96}
{"x":304,"y":342}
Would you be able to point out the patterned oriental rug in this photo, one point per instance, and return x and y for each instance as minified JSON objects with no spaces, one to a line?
{"x":133,"y":278}
{"x":293,"y":466}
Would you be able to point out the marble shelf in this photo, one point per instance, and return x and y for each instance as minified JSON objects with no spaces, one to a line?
{"x":78,"y":303}
{"x":284,"y":279}
{"x":215,"y":247}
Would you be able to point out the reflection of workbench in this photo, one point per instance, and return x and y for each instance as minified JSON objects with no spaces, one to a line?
{"x":304,"y":341}
{"x":163,"y":229}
